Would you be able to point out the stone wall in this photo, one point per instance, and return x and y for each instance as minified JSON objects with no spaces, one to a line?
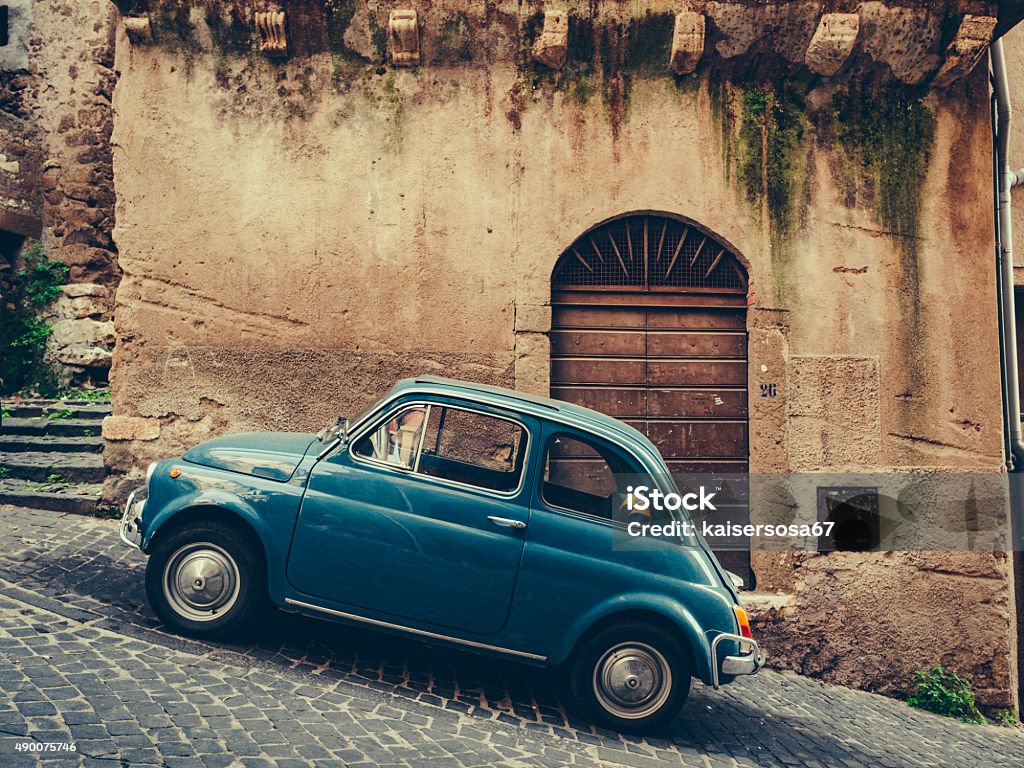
{"x":297,"y":233}
{"x":57,"y":78}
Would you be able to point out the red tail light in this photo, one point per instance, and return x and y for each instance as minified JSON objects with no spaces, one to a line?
{"x":744,"y":623}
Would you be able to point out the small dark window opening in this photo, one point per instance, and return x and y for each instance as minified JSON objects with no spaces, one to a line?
{"x":854,"y":512}
{"x":5,"y":31}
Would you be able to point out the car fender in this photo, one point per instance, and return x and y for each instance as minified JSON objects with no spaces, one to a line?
{"x":668,"y":610}
{"x":224,"y":500}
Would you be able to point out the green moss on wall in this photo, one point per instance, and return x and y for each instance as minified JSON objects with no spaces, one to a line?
{"x":772,"y":154}
{"x":173,"y":27}
{"x":649,"y":46}
{"x":886,"y":135}
{"x":230,"y":31}
{"x":455,"y":39}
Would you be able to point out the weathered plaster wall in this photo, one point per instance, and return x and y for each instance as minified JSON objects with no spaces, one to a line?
{"x":296,"y":236}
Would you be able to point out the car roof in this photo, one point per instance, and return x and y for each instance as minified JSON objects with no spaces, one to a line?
{"x":543,"y":407}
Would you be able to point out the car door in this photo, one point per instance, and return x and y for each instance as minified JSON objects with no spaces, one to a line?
{"x":421,"y":517}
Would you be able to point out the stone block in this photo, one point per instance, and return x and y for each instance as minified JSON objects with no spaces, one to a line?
{"x":121,"y":428}
{"x":968,"y":46}
{"x":404,"y":38}
{"x":533,"y":366}
{"x":687,"y":42}
{"x":138,"y":29}
{"x":834,"y":413}
{"x":833,"y":42}
{"x":551,"y":46}
{"x":533,"y":318}
{"x":78,"y":290}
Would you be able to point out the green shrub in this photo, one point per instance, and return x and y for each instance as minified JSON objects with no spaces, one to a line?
{"x":35,"y":283}
{"x":1004,"y":717}
{"x":62,"y":415}
{"x":945,"y":693}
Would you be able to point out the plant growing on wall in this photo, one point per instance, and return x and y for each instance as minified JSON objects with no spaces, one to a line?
{"x":34,"y":284}
{"x":944,"y":692}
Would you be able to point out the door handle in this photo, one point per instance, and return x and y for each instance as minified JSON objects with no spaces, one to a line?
{"x":504,"y":522}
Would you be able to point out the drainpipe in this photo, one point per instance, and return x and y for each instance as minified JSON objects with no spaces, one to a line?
{"x":1006,"y":179}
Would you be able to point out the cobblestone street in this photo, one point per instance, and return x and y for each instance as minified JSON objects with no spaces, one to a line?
{"x":83,"y":661}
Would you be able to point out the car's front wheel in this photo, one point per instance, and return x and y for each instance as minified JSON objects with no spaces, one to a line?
{"x":205,"y":579}
{"x":631,"y":677}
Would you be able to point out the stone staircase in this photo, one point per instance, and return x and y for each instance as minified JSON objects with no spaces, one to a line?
{"x":51,"y":454}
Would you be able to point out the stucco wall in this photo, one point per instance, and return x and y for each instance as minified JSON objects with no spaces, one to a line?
{"x":295,"y":236}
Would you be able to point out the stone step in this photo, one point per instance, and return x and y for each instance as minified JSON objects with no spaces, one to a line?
{"x":40,"y":426}
{"x":79,"y":499}
{"x":52,"y":468}
{"x":50,"y":443}
{"x":56,"y":411}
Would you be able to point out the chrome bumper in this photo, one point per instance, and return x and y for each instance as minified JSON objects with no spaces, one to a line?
{"x":129,"y":528}
{"x":748,"y":664}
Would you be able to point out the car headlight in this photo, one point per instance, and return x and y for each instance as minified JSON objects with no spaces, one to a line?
{"x":149,"y":471}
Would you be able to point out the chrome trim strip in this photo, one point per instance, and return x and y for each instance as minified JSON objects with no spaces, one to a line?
{"x":754,"y":660}
{"x":418,"y":632}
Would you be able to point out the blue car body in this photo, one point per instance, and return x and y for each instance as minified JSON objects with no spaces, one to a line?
{"x":364,"y":542}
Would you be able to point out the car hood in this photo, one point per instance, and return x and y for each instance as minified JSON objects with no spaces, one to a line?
{"x":273,"y":455}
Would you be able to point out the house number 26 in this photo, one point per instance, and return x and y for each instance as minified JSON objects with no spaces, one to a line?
{"x":768,"y":390}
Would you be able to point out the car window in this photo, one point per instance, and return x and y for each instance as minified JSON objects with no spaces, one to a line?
{"x":473,"y":448}
{"x":397,"y":440}
{"x":580,"y":475}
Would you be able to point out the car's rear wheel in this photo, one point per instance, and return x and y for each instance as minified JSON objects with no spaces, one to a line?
{"x":206,"y":579}
{"x":631,"y":677}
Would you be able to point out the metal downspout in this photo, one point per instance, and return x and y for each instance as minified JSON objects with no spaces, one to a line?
{"x":1006,"y":177}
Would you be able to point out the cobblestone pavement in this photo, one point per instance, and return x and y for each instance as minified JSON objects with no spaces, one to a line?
{"x":83,"y":661}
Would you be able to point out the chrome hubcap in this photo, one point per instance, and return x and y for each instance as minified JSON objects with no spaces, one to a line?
{"x":632,"y":680}
{"x":201,"y":581}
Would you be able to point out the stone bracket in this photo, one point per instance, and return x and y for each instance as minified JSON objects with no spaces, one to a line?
{"x":273,"y":37}
{"x":138,"y":29}
{"x":404,"y":38}
{"x":551,"y":47}
{"x":687,"y":42}
{"x":968,"y":46}
{"x":833,"y":42}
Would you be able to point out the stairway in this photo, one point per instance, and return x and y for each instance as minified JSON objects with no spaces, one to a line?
{"x":51,"y":454}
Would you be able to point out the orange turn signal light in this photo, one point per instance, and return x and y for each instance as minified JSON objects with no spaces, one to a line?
{"x":744,"y":622}
{"x":175,"y":472}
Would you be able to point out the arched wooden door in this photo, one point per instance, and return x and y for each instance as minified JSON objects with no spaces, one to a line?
{"x":649,"y":326}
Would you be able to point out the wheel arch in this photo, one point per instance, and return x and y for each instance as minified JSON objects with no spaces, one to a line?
{"x":675,"y":620}
{"x":171,"y":521}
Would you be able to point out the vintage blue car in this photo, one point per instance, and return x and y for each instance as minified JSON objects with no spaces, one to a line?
{"x":459,"y":514}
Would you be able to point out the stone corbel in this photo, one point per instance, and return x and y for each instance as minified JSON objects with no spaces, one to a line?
{"x":273,"y":38}
{"x":833,"y":42}
{"x":687,"y":42}
{"x":404,"y":38}
{"x":138,"y":29}
{"x":551,"y":46}
{"x":968,"y":46}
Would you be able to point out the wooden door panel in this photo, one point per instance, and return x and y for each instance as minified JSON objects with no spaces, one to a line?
{"x":577,"y":370}
{"x":615,"y":401}
{"x":682,"y":439}
{"x":597,"y":317}
{"x":700,"y":373}
{"x":697,"y":319}
{"x":695,"y":403}
{"x":612,"y":343}
{"x":704,"y":344}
